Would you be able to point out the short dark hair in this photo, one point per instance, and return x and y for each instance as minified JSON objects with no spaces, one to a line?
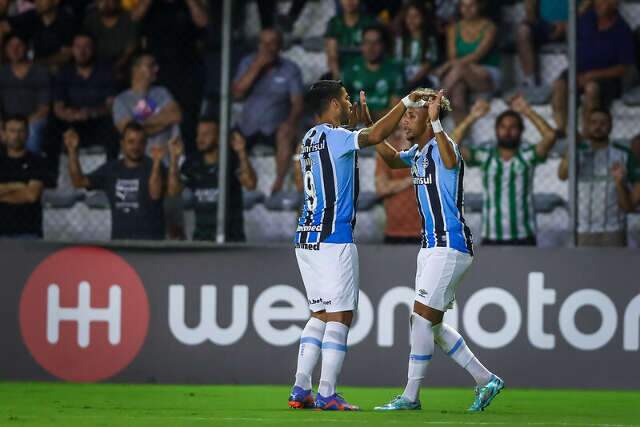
{"x":510,"y":113}
{"x":384,"y":34}
{"x":133,"y":127}
{"x":320,"y":94}
{"x":602,"y":111}
{"x":137,"y":58}
{"x":85,"y":34}
{"x":15,"y":118}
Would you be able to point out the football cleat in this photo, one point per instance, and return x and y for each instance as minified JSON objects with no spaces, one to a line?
{"x":334,"y":402}
{"x":484,"y":395}
{"x":399,"y":403}
{"x":301,"y":399}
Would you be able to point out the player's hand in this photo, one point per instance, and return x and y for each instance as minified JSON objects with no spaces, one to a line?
{"x":365,"y":114}
{"x":519,"y":104}
{"x":71,"y":140}
{"x":158,"y":152}
{"x":238,"y":143}
{"x":480,"y":109}
{"x":176,"y":148}
{"x":618,"y":172}
{"x":433,"y":106}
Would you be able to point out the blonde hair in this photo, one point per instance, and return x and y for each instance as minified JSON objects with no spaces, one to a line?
{"x":445,"y":103}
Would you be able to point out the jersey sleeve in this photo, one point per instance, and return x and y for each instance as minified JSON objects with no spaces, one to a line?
{"x":479,"y":155}
{"x":530,"y":155}
{"x":342,"y":141}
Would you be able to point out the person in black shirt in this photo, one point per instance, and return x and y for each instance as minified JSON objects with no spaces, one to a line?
{"x":22,"y":178}
{"x":50,"y":29}
{"x":134,"y":184}
{"x":83,"y":96}
{"x":199,"y":173}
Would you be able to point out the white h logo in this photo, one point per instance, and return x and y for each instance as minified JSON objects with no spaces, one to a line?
{"x":83,"y":314}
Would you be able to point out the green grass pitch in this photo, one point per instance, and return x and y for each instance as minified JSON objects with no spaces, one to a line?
{"x":69,"y":405}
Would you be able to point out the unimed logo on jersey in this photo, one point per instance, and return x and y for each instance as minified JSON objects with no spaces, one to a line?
{"x":84,"y":314}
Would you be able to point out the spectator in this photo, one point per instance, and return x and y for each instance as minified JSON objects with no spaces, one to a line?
{"x":473,"y":61}
{"x":151,"y":106}
{"x":22,"y":178}
{"x":381,"y":78}
{"x":395,"y":187}
{"x":171,"y":31}
{"x":24,"y":90}
{"x":271,"y":88}
{"x":607,"y":184}
{"x":200,"y":174}
{"x":84,"y":94}
{"x":605,"y":50}
{"x":508,"y":168}
{"x":50,"y":29}
{"x":545,"y":22}
{"x":344,"y":36}
{"x":417,"y":46}
{"x":134,"y":184}
{"x":115,"y":35}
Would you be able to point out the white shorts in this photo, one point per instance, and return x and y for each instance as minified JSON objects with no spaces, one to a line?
{"x":331,"y":276}
{"x":438,"y":274}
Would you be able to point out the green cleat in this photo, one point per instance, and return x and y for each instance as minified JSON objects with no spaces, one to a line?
{"x":484,"y":395}
{"x":399,"y":403}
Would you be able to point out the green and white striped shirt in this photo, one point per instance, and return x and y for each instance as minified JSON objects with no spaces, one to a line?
{"x":507,"y":211}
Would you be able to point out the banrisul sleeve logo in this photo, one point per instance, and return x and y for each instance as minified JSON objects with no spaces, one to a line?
{"x":84,"y":314}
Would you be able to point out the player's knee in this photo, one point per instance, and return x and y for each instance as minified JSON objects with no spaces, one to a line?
{"x":344,"y":317}
{"x":431,"y":314}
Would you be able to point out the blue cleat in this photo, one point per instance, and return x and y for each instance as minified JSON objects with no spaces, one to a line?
{"x":399,"y":403}
{"x":334,"y":403}
{"x":484,"y":395}
{"x":301,"y":399}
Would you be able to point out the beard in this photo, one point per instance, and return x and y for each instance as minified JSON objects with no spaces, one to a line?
{"x":509,"y":144}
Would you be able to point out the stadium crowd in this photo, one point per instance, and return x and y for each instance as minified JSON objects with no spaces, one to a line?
{"x":140,"y":79}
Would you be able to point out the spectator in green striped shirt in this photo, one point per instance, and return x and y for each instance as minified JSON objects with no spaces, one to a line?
{"x":508,"y":166}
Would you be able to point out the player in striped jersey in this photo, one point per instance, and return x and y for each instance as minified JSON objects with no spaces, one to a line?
{"x":447,"y":252}
{"x":326,"y":254}
{"x":508,"y":167}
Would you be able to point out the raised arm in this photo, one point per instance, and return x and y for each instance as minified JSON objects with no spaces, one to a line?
{"x":445,"y":147}
{"x":384,"y":127}
{"x":331,"y":48}
{"x":246,"y":173}
{"x":78,"y":178}
{"x":625,"y":201}
{"x":156,"y":186}
{"x":480,"y":109}
{"x":174,"y":183}
{"x":520,"y":105}
{"x":199,"y":12}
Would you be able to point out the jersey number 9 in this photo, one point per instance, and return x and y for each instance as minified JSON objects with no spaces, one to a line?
{"x":310,"y":191}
